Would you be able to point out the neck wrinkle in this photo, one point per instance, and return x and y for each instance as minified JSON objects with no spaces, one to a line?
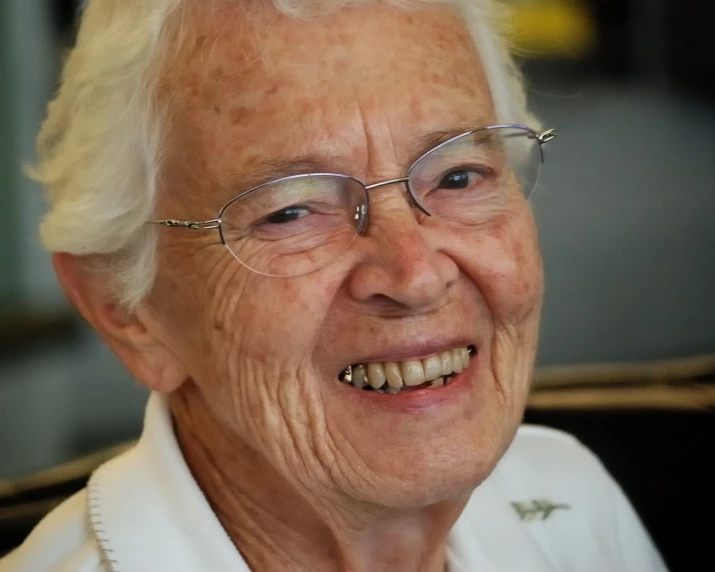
{"x":277,"y":528}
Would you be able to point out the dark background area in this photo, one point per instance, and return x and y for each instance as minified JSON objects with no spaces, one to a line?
{"x":625,"y":207}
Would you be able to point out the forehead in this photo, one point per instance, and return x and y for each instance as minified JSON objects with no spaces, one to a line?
{"x":251,"y":82}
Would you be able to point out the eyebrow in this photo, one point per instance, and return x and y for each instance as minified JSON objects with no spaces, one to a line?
{"x":265,"y":171}
{"x":268,"y":170}
{"x":429,"y":141}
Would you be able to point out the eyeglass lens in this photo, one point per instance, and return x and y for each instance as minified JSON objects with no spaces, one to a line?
{"x":297,"y":225}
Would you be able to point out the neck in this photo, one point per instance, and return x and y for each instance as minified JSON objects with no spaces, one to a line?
{"x":278,"y":525}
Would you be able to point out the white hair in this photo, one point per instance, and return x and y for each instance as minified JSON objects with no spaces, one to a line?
{"x":100,"y":149}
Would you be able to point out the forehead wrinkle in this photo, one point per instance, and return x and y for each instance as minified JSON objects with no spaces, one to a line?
{"x":378,"y":130}
{"x":269,"y":169}
{"x":358,"y":155}
{"x":212,"y":37}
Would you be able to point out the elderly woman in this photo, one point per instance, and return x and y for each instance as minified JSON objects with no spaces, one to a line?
{"x":304,"y":227}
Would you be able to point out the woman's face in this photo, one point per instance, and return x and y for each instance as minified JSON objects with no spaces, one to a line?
{"x":262,"y":354}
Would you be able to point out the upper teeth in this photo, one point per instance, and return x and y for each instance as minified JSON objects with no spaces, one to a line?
{"x":393,"y":376}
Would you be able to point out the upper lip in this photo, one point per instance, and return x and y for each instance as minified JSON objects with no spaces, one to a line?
{"x":414,"y":350}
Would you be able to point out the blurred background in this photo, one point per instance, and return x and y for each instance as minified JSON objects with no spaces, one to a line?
{"x":626,"y":209}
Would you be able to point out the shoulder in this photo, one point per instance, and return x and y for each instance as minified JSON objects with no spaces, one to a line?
{"x":559,"y":494}
{"x":551,"y":450}
{"x":549,"y":462}
{"x":553,"y":454}
{"x":546,"y":439}
{"x":61,"y":542}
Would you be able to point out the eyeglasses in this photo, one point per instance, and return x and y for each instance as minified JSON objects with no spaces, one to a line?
{"x":298,"y":224}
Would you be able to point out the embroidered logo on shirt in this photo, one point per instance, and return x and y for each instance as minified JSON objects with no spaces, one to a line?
{"x":540,"y":509}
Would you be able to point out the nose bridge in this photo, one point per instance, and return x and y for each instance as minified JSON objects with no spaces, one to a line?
{"x":401,"y":263}
{"x":408,"y":191}
{"x":394,"y":227}
{"x":388,"y":182}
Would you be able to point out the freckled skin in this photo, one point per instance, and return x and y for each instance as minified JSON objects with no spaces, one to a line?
{"x":261,"y":354}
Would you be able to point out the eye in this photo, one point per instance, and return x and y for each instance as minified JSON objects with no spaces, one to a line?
{"x":460,"y":179}
{"x":286,"y":215}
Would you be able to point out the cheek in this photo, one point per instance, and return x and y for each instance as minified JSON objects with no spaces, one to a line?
{"x":504,"y":262}
{"x":247,"y":342}
{"x":277,"y":318}
{"x":194,"y":296}
{"x":233,"y":321}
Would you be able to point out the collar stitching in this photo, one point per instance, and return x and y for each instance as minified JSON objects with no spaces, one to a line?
{"x":95,"y":519}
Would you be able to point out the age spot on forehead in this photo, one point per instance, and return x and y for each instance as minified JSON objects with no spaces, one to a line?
{"x":300,"y":87}
{"x":239,"y":114}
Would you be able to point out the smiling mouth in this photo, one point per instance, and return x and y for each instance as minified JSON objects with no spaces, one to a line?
{"x":399,"y":376}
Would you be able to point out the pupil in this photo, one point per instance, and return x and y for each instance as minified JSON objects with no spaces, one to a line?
{"x":456,"y":180}
{"x":286,"y":215}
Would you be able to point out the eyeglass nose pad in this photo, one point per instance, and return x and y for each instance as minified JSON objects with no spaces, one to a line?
{"x":361,"y":216}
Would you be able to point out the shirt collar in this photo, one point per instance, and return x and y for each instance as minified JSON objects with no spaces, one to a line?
{"x":148,"y":513}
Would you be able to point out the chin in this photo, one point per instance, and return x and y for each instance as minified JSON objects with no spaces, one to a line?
{"x":432,"y":477}
{"x":443,"y":487}
{"x":428,"y":446}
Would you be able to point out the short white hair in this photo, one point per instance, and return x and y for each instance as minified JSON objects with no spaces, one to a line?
{"x":100,"y":149}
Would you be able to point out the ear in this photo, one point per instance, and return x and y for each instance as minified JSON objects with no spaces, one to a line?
{"x":137,"y":337}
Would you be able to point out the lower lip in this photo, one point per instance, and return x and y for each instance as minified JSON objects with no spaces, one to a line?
{"x":419,"y":400}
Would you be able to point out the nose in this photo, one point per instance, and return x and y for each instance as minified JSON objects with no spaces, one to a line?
{"x":402,"y":181}
{"x":401,"y":268}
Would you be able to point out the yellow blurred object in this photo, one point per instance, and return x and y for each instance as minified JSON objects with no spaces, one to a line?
{"x":552,"y":28}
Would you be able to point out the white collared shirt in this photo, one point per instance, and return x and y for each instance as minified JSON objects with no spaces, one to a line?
{"x":549,"y":506}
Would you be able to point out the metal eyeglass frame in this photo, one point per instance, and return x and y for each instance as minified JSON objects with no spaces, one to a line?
{"x":541,"y":138}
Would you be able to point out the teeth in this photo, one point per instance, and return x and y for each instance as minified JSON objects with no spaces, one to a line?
{"x":375,"y":375}
{"x":465,"y":357}
{"x":432,"y":368}
{"x":392,"y":377}
{"x":446,"y":359}
{"x":359,"y":379}
{"x":457,"y":361}
{"x":413,"y":373}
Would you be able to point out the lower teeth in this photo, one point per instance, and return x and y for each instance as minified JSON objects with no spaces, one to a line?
{"x":439,"y":382}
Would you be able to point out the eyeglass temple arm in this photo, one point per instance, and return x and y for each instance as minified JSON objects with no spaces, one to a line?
{"x":192,"y":224}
